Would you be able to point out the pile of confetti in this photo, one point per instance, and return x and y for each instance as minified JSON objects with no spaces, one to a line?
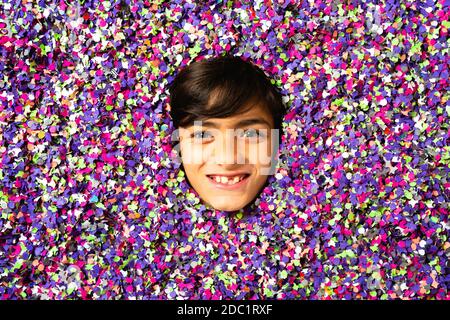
{"x":93,"y":207}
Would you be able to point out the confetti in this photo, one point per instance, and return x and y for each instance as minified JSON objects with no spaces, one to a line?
{"x":93,"y":207}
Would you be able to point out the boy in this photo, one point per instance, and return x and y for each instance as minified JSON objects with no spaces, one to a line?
{"x":228,"y":118}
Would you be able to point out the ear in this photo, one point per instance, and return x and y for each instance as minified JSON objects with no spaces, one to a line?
{"x":177,"y":156}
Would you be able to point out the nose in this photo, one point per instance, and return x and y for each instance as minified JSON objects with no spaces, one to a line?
{"x":226,"y":149}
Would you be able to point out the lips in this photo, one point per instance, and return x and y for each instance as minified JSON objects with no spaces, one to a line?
{"x":228,"y":181}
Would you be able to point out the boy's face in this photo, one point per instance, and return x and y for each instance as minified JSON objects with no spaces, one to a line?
{"x":228,"y":160}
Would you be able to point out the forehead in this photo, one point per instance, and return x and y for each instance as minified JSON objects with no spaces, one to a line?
{"x":255,"y":115}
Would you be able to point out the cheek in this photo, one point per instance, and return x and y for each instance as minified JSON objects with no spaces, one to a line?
{"x":259,"y":154}
{"x":191,"y":154}
{"x":258,"y":183}
{"x":192,"y":174}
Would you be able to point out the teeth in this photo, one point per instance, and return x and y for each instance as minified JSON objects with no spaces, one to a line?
{"x":226,"y":180}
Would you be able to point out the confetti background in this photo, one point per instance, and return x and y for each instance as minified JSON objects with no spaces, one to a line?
{"x":92,"y":207}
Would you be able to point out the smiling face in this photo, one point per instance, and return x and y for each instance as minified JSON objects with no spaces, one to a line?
{"x":228,"y":160}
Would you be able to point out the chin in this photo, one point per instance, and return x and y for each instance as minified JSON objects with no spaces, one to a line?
{"x":226,"y":206}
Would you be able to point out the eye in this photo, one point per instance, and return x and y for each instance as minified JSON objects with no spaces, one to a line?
{"x":201,"y":135}
{"x":252,"y":133}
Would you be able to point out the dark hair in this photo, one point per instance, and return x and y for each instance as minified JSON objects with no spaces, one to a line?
{"x":221,"y":87}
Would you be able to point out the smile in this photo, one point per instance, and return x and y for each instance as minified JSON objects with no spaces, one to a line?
{"x":228,"y":182}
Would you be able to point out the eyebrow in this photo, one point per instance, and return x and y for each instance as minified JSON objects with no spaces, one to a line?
{"x":240,"y":124}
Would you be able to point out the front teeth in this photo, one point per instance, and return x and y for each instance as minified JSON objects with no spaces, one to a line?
{"x":225,"y":180}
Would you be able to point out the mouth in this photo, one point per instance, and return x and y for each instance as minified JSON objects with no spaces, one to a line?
{"x":228,"y":182}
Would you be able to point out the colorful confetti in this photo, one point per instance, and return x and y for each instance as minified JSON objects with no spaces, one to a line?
{"x":93,"y":207}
